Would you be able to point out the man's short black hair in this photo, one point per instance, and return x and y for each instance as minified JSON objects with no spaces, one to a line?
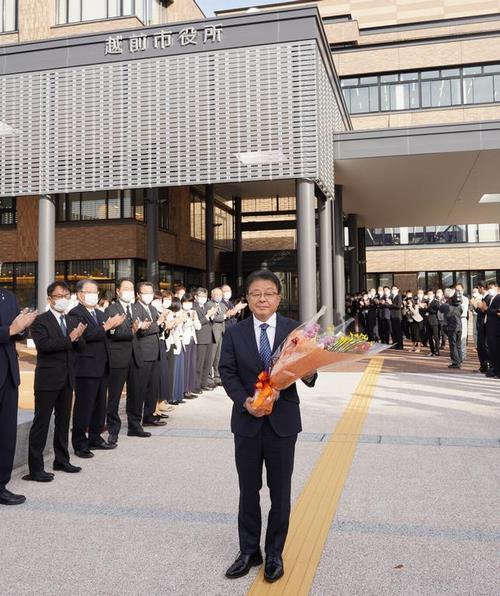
{"x":264,"y":274}
{"x":481,"y":284}
{"x":121,"y":281}
{"x":142,"y":284}
{"x":57,"y":284}
{"x":80,"y":284}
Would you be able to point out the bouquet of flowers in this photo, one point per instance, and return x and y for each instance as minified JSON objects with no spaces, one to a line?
{"x":307,"y":349}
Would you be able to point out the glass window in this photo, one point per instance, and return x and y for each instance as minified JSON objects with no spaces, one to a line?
{"x":432,"y":280}
{"x":430,"y":74}
{"x":416,"y":235}
{"x":93,"y":205}
{"x":385,"y":279}
{"x":7,"y":211}
{"x":124,"y":268}
{"x":197,"y":215}
{"x":472,"y":233}
{"x":408,"y":76}
{"x":8,"y":15}
{"x":450,"y":72}
{"x":350,"y":82}
{"x":128,"y":211}
{"x":490,"y":276}
{"x":446,"y":279}
{"x":94,"y":9}
{"x":139,"y":204}
{"x":462,"y":277}
{"x":421,"y":280}
{"x":25,"y":283}
{"x":7,"y":275}
{"x":368,"y":80}
{"x":74,"y":11}
{"x":163,"y":213}
{"x":371,"y":281}
{"x":471,"y":70}
{"x":114,"y":205}
{"x":491,"y":68}
{"x":391,"y":78}
{"x":488,"y":232}
{"x":74,"y":206}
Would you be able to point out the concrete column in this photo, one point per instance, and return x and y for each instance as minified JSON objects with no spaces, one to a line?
{"x":362,"y":258}
{"x":353,"y":258}
{"x":153,"y":266}
{"x":209,"y":236}
{"x":238,"y":248}
{"x":306,"y":248}
{"x":46,"y":248}
{"x":338,"y":261}
{"x":325,"y":259}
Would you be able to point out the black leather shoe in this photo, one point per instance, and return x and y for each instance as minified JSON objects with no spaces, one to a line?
{"x":112,"y":439}
{"x":190,"y":396}
{"x":243,"y":564}
{"x":197,"y":391}
{"x":84,"y":453}
{"x":273,"y":568}
{"x":8,"y":498}
{"x":138,"y":433}
{"x":66,"y":467}
{"x":208,"y":388}
{"x":154,"y":423}
{"x":42,"y":476}
{"x":105,"y":446}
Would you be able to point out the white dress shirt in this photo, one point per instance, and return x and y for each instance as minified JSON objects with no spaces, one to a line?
{"x":58,"y":316}
{"x":271,"y":330}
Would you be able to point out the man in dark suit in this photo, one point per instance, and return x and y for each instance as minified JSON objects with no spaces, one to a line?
{"x":218,"y":321}
{"x":145,"y":379}
{"x":205,"y":339}
{"x":432,"y":322}
{"x":395,"y":305}
{"x":92,"y":371}
{"x":13,"y":324}
{"x":124,"y":351}
{"x":493,"y":330}
{"x":57,"y":337}
{"x":246,"y":351}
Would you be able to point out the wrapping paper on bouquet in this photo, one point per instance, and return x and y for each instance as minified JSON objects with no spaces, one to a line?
{"x":307,"y":349}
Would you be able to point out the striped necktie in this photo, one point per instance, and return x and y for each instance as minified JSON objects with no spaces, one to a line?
{"x":62,"y":323}
{"x":265,"y":346}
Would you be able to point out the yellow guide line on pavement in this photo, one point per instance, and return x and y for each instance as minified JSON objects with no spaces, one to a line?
{"x":315,"y":508}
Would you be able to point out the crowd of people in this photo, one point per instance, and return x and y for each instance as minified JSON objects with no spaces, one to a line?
{"x":164,"y":345}
{"x":431,"y":319}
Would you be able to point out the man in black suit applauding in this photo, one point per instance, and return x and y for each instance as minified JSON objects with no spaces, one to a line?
{"x":57,"y":337}
{"x":124,"y":353}
{"x":92,"y":371}
{"x":12,"y":326}
{"x":246,"y":351}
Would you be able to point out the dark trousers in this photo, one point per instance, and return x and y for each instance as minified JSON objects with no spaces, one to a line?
{"x":214,"y":369}
{"x":116,"y":382}
{"x":433,"y":335}
{"x":455,"y":341}
{"x":89,"y":412}
{"x":143,"y":391}
{"x":397,"y":333}
{"x":385,"y":330}
{"x":47,"y":402}
{"x":482,"y":350}
{"x":205,"y":359}
{"x":9,"y":396}
{"x":278,"y":455}
{"x":190,"y":372}
{"x":493,"y":339}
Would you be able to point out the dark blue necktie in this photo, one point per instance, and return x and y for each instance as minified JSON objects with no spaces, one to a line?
{"x":62,"y":323}
{"x":265,"y":346}
{"x":94,"y":316}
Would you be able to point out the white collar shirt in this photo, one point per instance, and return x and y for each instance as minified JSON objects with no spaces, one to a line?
{"x":271,"y":330}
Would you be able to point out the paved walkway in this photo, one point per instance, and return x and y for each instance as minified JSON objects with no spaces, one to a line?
{"x":399,"y":471}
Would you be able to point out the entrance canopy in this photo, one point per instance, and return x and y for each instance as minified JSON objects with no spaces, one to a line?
{"x":420,"y":176}
{"x":246,"y":98}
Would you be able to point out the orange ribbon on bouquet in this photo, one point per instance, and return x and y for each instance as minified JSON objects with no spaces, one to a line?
{"x":263,"y":391}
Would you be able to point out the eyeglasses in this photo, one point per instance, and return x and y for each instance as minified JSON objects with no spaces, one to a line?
{"x":259,"y":295}
{"x":58,"y":296}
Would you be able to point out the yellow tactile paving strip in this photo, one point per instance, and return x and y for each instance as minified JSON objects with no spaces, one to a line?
{"x":315,"y":508}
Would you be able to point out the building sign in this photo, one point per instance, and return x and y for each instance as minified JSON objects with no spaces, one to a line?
{"x":188,"y":36}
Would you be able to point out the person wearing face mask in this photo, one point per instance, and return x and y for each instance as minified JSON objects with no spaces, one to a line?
{"x":493,"y":331}
{"x":92,"y":371}
{"x":396,"y":318}
{"x":452,"y":311}
{"x":218,"y":327}
{"x":180,"y":290}
{"x":162,"y":303}
{"x":231,"y":313}
{"x":432,"y":323}
{"x":442,"y":321}
{"x":124,"y":351}
{"x":57,"y":337}
{"x":145,"y":379}
{"x":479,"y":303}
{"x":190,"y":324}
{"x":205,"y":338}
{"x":459,"y":288}
{"x":385,"y":316}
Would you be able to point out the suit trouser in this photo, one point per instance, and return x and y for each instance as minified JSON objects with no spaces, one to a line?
{"x":482,"y":351}
{"x":278,"y":455}
{"x":397,"y":332}
{"x":116,"y":382}
{"x":9,"y":396}
{"x":215,"y":361}
{"x":455,"y":341}
{"x":385,"y":330}
{"x":143,"y":391}
{"x":493,"y":339}
{"x":89,"y":412}
{"x":433,"y":334}
{"x":47,"y":402}
{"x":204,"y":363}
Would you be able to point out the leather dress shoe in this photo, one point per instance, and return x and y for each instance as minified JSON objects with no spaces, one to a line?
{"x":8,"y":498}
{"x":190,"y":396}
{"x":84,"y":453}
{"x":154,"y":422}
{"x":42,"y":476}
{"x":105,"y":446}
{"x":162,"y":416}
{"x":273,"y":569}
{"x":208,"y":388}
{"x":243,"y":564}
{"x":138,"y":433}
{"x":112,"y":439}
{"x":197,"y":391}
{"x":66,"y":467}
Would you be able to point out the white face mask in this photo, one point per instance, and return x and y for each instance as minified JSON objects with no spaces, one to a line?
{"x":201,"y":300}
{"x":92,"y":299}
{"x":492,"y":292}
{"x":61,"y":304}
{"x":227,"y":295}
{"x":167,"y":303}
{"x":147,"y":298}
{"x":187,"y":305}
{"x":127,"y":296}
{"x":218,"y":299}
{"x":157,"y":304}
{"x":475,"y":294}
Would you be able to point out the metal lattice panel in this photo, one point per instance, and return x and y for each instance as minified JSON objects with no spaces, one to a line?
{"x":168,"y":121}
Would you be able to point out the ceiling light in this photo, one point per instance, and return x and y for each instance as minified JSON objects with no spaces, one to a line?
{"x":490,"y":198}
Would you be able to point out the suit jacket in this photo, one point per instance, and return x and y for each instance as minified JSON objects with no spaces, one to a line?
{"x":123,"y":342}
{"x":395,"y":307}
{"x":9,"y":309}
{"x":232,"y":320}
{"x":218,"y":321}
{"x":492,"y":319}
{"x":239,"y":366}
{"x":432,"y":312}
{"x":205,"y":335}
{"x":149,"y":340}
{"x":56,"y":353}
{"x":93,"y":360}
